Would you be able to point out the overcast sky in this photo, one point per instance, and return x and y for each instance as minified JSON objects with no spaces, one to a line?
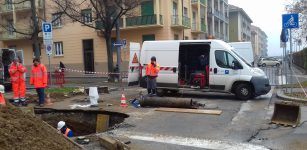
{"x":265,"y":14}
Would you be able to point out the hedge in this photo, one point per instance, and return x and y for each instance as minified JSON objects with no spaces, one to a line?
{"x":300,"y":58}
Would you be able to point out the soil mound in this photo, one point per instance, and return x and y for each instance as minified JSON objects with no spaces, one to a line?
{"x":22,"y":131}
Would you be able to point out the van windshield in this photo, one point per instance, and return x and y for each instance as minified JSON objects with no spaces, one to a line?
{"x":241,"y":58}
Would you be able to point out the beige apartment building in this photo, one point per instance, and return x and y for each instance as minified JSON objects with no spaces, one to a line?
{"x":259,"y":42}
{"x":239,"y":25}
{"x":83,"y":48}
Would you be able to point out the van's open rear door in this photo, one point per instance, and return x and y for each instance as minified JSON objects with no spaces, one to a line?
{"x":134,"y":64}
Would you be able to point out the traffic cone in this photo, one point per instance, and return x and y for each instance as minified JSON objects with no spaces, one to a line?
{"x":2,"y":100}
{"x":123,"y":102}
{"x":48,"y":100}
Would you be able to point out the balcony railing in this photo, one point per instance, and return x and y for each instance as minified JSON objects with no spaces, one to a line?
{"x":203,"y":2}
{"x":186,"y":21}
{"x":203,"y":27}
{"x":6,"y":8}
{"x":10,"y":35}
{"x":99,"y":24}
{"x":143,"y":20}
{"x":19,"y":6}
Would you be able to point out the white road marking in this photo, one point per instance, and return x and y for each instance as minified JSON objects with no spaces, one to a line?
{"x":191,"y":142}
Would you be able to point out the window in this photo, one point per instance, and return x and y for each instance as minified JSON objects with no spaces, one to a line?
{"x":224,"y":59}
{"x":176,"y":37}
{"x":185,"y":12}
{"x":150,"y":37}
{"x":58,"y":48}
{"x":86,"y":15}
{"x":57,"y":20}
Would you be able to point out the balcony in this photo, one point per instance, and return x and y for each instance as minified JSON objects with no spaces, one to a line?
{"x":195,"y":2}
{"x":6,"y":8}
{"x":143,"y":21}
{"x":196,"y":29}
{"x":186,"y":22}
{"x":9,"y":35}
{"x":20,"y":6}
{"x":99,"y":24}
{"x":136,"y":22}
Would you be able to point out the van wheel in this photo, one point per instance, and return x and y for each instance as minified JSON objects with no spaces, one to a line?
{"x":243,"y":91}
{"x":263,"y":65}
{"x":161,"y":92}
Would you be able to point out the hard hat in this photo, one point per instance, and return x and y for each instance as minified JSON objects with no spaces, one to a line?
{"x":61,"y":124}
{"x":1,"y":89}
{"x":153,"y":58}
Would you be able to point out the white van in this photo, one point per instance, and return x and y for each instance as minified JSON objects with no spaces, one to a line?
{"x":6,"y":58}
{"x":181,"y":68}
{"x":245,"y":50}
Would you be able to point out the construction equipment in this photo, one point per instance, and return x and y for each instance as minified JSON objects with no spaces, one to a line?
{"x":286,"y":113}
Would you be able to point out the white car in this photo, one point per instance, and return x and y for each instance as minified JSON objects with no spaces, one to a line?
{"x":268,"y":62}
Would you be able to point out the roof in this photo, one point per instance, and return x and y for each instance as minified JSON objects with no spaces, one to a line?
{"x":233,"y":8}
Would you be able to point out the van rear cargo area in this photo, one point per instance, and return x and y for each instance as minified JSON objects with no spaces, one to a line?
{"x":194,"y":64}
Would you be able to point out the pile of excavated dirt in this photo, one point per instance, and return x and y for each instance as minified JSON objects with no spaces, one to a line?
{"x":22,"y":131}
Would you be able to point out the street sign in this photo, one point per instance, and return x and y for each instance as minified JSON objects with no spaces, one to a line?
{"x":284,"y":37}
{"x":117,"y":44}
{"x":49,"y":49}
{"x":47,"y":30}
{"x":290,"y":21}
{"x":122,"y":43}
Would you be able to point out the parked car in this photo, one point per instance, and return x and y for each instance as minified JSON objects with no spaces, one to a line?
{"x":268,"y":62}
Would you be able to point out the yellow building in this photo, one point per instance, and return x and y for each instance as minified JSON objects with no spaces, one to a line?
{"x":83,"y":48}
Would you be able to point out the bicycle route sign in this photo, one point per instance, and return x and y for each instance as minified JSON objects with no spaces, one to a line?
{"x":290,"y":21}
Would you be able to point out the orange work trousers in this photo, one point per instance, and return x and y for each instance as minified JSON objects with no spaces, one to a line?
{"x":19,"y":89}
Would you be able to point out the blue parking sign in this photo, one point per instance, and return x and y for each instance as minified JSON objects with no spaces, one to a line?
{"x":290,"y":21}
{"x":47,"y":27}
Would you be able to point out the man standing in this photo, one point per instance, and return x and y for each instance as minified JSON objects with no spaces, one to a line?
{"x":39,"y":80}
{"x":152,"y":71}
{"x":17,"y":71}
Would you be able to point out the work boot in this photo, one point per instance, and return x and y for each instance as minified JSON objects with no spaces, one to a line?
{"x":149,"y":91}
{"x":16,"y":102}
{"x":23,"y":102}
{"x":154,"y":92}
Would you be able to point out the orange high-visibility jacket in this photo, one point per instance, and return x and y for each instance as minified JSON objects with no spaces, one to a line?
{"x":17,"y":73}
{"x":152,"y":71}
{"x":39,"y":76}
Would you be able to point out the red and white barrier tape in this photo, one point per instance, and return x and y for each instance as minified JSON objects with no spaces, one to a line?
{"x":90,"y":72}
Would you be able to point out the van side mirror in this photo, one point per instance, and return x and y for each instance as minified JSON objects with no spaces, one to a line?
{"x":236,"y":65}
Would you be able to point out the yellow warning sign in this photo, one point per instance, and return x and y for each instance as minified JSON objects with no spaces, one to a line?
{"x":135,"y":59}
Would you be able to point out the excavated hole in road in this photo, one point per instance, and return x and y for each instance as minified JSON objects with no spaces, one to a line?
{"x":82,"y":122}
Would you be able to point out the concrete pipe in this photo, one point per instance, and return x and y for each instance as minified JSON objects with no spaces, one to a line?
{"x":166,"y":102}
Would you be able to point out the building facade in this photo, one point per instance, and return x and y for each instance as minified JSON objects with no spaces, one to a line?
{"x":82,"y":48}
{"x":239,"y":25}
{"x":259,"y":42}
{"x":218,"y":19}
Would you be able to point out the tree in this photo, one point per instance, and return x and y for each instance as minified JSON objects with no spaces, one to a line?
{"x":300,"y":7}
{"x":107,"y":13}
{"x":29,"y":31}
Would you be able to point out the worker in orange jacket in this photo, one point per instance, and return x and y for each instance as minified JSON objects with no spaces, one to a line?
{"x":17,"y":71}
{"x":152,"y":71}
{"x":39,"y":79}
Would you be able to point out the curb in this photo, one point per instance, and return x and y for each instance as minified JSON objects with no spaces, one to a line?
{"x":281,"y":95}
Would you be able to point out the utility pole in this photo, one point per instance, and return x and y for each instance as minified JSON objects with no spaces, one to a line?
{"x":118,"y":48}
